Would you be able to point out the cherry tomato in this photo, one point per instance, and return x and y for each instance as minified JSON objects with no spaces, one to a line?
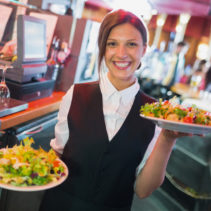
{"x":190,"y":109}
{"x":166,"y":102}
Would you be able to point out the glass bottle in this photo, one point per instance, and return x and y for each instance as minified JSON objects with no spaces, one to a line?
{"x":4,"y":90}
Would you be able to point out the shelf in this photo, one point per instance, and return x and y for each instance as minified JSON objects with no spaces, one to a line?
{"x":35,"y":109}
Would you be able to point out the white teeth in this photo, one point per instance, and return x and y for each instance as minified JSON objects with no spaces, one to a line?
{"x":122,"y":64}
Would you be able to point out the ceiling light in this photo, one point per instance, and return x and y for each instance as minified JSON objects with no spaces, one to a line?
{"x":140,"y":8}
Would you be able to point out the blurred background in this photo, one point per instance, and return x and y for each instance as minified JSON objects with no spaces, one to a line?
{"x":59,"y":47}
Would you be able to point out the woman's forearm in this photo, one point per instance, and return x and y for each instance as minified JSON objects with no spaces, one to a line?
{"x":153,"y":173}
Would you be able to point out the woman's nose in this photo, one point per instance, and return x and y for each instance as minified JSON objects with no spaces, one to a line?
{"x":121,"y":52}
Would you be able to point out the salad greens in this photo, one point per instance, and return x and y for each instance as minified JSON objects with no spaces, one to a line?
{"x":176,"y":112}
{"x":22,"y":165}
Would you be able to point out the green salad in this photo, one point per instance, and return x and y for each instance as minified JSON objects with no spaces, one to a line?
{"x":22,"y":165}
{"x":176,"y":112}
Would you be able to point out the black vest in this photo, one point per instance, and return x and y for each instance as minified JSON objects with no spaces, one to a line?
{"x":102,"y":172}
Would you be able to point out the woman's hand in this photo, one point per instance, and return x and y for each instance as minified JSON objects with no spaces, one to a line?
{"x":172,"y":135}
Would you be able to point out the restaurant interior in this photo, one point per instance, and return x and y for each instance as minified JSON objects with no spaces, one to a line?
{"x":37,"y":75}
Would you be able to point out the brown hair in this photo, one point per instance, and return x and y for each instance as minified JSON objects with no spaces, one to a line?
{"x":116,"y":18}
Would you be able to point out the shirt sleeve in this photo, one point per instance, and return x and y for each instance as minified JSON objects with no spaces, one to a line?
{"x":61,"y":128}
{"x":149,"y":149}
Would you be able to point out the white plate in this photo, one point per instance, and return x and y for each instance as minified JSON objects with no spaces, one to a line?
{"x":180,"y":126}
{"x":36,"y":187}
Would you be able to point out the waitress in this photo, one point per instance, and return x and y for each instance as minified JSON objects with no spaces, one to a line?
{"x":100,"y":135}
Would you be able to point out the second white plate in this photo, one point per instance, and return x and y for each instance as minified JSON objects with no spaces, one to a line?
{"x":180,"y":126}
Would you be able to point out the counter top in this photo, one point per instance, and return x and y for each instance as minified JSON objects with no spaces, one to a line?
{"x":184,"y":90}
{"x":35,"y":109}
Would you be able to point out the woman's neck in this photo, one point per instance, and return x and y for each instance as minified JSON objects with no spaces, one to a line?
{"x":120,"y":84}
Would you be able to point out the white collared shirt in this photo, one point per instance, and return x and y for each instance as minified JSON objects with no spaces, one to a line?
{"x":116,"y":104}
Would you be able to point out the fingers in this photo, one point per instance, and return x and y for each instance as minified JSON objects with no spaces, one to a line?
{"x":175,"y":134}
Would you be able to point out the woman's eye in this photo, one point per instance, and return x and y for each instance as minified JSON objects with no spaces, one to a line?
{"x":132,"y":44}
{"x":111,"y":44}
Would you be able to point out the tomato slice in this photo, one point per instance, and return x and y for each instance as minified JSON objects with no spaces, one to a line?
{"x":56,"y":163}
{"x":188,"y":119}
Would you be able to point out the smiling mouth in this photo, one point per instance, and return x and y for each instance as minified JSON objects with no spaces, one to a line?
{"x":122,"y":65}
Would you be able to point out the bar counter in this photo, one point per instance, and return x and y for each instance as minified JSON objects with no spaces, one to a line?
{"x":184,"y":90}
{"x":35,"y":109}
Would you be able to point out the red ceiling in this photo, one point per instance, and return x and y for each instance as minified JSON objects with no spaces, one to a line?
{"x":194,"y":7}
{"x":95,"y":4}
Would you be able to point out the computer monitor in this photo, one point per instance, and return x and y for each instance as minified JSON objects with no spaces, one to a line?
{"x":31,"y":39}
{"x":51,"y":21}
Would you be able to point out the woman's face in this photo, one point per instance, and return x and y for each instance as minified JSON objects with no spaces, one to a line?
{"x":124,"y":49}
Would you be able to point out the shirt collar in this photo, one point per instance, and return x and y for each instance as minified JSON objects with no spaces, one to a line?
{"x":108,"y":90}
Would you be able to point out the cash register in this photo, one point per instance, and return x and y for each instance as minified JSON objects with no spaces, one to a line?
{"x":26,"y":79}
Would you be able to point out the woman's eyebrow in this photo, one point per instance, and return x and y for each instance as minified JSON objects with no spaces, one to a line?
{"x":133,"y":39}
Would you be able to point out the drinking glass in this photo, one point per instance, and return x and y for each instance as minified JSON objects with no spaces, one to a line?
{"x":195,"y":82}
{"x":4,"y":90}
